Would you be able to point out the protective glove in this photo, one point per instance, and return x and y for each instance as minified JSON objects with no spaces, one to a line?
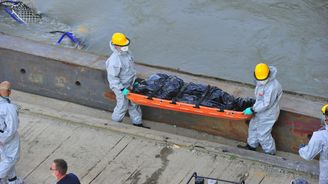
{"x":302,"y":145}
{"x":248,"y":111}
{"x":135,"y":84}
{"x":125,"y":91}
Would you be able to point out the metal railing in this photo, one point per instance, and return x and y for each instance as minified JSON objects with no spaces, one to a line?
{"x":202,"y":179}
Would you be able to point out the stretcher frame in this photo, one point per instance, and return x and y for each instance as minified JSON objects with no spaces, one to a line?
{"x":186,"y":108}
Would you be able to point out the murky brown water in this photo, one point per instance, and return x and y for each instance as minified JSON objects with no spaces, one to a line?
{"x":220,"y":38}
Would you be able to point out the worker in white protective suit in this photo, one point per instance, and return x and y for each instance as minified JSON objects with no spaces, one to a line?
{"x":319,"y":145}
{"x":121,"y":75}
{"x":9,"y":138}
{"x":266,"y":109}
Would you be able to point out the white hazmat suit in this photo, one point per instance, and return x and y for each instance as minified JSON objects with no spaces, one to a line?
{"x":121,"y":74}
{"x":9,"y":139}
{"x":266,"y":109}
{"x":318,"y":145}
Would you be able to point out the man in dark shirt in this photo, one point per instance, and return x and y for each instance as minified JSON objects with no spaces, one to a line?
{"x":59,"y":169}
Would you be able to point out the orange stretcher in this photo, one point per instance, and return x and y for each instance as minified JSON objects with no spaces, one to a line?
{"x":187,"y":108}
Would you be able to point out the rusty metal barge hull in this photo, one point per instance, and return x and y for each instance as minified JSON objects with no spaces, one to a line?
{"x":80,"y":77}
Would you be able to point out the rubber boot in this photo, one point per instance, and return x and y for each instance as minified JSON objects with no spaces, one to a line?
{"x":270,"y":153}
{"x":247,"y":147}
{"x":141,"y":126}
{"x":15,"y":180}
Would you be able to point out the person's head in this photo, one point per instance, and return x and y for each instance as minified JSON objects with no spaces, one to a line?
{"x":262,"y":73}
{"x":120,"y":42}
{"x":324,"y":111}
{"x":59,"y":168}
{"x":299,"y":181}
{"x":5,"y":89}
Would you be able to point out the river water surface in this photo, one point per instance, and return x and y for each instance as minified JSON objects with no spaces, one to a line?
{"x":219,"y":38}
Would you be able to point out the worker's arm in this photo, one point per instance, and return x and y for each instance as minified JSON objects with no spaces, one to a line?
{"x":113,"y":71}
{"x":313,"y":148}
{"x":11,"y":121}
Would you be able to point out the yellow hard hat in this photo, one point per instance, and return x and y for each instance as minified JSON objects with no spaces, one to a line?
{"x":261,"y":71}
{"x":324,"y":110}
{"x":119,"y":39}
